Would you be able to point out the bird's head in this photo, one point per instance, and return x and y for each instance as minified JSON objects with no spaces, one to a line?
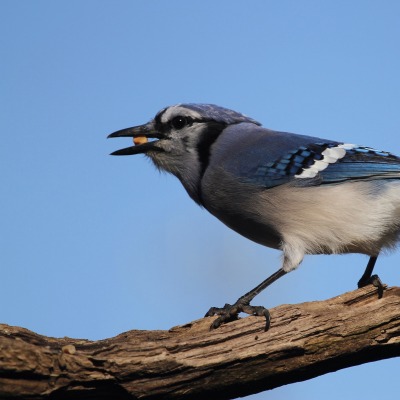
{"x":180,"y":137}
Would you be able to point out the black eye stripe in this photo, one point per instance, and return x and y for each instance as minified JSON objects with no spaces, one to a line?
{"x":180,"y":121}
{"x":164,"y":127}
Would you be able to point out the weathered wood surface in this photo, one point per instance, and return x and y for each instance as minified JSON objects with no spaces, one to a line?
{"x":190,"y":362}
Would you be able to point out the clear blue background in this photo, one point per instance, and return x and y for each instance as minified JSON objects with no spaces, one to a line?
{"x":93,"y":245}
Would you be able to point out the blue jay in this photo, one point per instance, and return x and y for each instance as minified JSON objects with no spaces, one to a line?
{"x":300,"y":194}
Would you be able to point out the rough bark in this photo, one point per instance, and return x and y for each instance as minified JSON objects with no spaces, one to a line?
{"x":305,"y":340}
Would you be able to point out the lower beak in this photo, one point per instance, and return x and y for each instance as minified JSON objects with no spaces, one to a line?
{"x":140,"y":134}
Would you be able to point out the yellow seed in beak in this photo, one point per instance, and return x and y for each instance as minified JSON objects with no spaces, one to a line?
{"x":140,"y":140}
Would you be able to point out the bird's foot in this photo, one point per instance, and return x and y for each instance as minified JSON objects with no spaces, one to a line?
{"x":230,"y":312}
{"x":373,"y":280}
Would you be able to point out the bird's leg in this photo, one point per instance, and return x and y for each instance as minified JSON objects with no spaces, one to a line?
{"x":230,"y":312}
{"x":367,"y":277}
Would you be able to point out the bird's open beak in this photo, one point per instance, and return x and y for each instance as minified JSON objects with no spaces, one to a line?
{"x":140,"y":135}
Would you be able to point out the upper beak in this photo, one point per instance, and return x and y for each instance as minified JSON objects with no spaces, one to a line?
{"x":146,"y":131}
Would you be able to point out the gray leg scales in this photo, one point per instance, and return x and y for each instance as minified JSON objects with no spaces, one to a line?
{"x":230,"y":312}
{"x":369,"y":279}
{"x":375,"y":281}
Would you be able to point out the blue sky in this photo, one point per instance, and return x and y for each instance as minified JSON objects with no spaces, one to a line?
{"x":93,"y":245}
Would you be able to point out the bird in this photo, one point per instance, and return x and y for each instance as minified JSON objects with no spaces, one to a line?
{"x":296,"y":193}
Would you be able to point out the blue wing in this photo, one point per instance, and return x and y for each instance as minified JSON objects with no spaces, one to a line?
{"x":363,"y":163}
{"x":314,"y":165}
{"x":270,"y":158}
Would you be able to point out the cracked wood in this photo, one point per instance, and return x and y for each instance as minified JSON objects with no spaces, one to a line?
{"x":305,"y":340}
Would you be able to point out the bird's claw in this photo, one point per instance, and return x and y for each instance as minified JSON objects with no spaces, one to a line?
{"x":230,"y":312}
{"x":373,"y":280}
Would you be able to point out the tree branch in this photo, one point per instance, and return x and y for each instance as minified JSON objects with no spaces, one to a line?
{"x":305,"y":340}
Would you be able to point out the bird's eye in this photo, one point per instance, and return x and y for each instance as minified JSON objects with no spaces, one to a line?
{"x":179,"y":122}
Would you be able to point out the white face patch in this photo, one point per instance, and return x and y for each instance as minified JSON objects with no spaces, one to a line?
{"x":178,"y":110}
{"x":330,"y":156}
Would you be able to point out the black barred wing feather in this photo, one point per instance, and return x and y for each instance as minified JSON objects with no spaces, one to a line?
{"x":327,"y":163}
